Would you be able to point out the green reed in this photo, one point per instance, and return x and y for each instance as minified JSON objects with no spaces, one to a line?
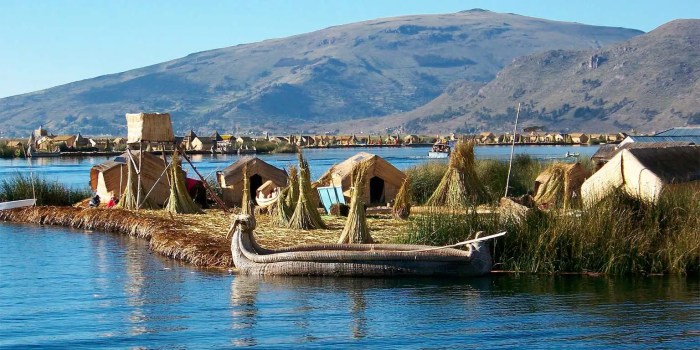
{"x":619,"y":235}
{"x":47,"y":192}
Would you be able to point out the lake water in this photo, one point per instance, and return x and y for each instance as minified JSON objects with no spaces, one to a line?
{"x":75,"y":172}
{"x":64,"y":288}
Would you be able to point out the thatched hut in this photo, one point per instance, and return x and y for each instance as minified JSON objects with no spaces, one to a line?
{"x":109,"y":178}
{"x":149,"y":127}
{"x":557,"y":185}
{"x":383,"y":179}
{"x":231,"y":178}
{"x":645,"y":173}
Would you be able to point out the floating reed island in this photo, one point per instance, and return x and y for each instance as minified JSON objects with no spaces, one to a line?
{"x":612,"y":222}
{"x":196,"y":239}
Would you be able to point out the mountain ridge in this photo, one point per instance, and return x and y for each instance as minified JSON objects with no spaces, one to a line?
{"x":372,"y":68}
{"x":647,"y":83}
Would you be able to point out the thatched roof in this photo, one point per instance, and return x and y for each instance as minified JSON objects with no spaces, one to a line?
{"x":341,"y":175}
{"x":234,"y":172}
{"x":671,"y":164}
{"x":607,"y":151}
{"x":378,"y":167}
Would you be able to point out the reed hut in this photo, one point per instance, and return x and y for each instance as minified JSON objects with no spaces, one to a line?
{"x":149,"y":127}
{"x":383,"y":179}
{"x":109,"y":178}
{"x":645,"y":173}
{"x":559,"y":184}
{"x":231,"y":178}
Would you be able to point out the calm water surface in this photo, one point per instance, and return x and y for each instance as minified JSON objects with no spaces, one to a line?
{"x":63,"y":288}
{"x":76,"y":171}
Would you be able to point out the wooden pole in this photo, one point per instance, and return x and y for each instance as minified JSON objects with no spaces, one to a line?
{"x":512,"y":149}
{"x":165,"y":160}
{"x":138,"y":171}
{"x":206,"y":186}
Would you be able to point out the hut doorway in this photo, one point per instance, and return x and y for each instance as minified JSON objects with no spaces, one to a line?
{"x":255,"y":182}
{"x":376,"y":190}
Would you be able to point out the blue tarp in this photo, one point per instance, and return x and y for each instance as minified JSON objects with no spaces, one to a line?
{"x":330,"y":195}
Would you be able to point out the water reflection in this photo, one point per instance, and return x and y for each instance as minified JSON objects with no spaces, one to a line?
{"x":64,"y":288}
{"x":244,"y":310}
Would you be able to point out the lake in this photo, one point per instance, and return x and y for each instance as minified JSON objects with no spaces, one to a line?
{"x":65,"y":288}
{"x":75,"y":171}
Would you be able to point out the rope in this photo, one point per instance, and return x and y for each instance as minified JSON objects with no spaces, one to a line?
{"x":462,"y":243}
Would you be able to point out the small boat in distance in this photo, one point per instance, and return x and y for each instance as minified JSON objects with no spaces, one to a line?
{"x":439,"y":150}
{"x":571,"y":155}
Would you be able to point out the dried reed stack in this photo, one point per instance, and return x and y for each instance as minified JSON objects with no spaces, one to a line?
{"x":306,"y":216}
{"x":556,"y":182}
{"x":292,"y":196}
{"x":280,"y":211}
{"x":460,"y":185}
{"x":287,"y":200}
{"x":128,"y":199}
{"x":247,"y":205}
{"x":402,"y":202}
{"x":179,"y":201}
{"x":355,"y":230}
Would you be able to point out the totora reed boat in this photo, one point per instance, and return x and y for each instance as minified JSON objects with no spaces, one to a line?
{"x":354,"y":259}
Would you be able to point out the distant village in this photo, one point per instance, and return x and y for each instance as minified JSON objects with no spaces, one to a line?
{"x":43,"y":142}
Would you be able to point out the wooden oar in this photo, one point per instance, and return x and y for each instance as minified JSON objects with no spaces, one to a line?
{"x":462,"y":243}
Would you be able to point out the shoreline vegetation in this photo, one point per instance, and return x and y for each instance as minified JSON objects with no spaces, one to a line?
{"x":617,"y":236}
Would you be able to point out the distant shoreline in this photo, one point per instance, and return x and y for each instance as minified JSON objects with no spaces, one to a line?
{"x":80,"y":154}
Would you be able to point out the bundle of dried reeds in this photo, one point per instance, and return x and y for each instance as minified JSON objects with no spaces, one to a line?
{"x":247,"y":205}
{"x":305,"y":214}
{"x":402,"y":203}
{"x":460,"y":185}
{"x":128,"y":199}
{"x":355,"y":230}
{"x":552,"y":192}
{"x":283,"y":208}
{"x":292,"y":196}
{"x":179,"y":201}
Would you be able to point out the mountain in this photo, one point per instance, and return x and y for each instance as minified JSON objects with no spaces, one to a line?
{"x":650,"y":82}
{"x":368,"y":69}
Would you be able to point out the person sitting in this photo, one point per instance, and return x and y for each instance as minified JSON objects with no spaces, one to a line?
{"x":94,"y":202}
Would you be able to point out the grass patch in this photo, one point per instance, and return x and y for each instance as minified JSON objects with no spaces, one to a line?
{"x":619,"y":235}
{"x":47,"y":192}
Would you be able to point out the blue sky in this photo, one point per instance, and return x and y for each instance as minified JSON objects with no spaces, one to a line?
{"x":48,"y":43}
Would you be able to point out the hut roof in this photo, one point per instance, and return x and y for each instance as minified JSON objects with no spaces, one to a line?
{"x":190,"y":134}
{"x":681,"y":131}
{"x":661,"y":138}
{"x":379,"y":167}
{"x":671,"y":164}
{"x":607,"y":151}
{"x":216,"y":137}
{"x":234,"y":172}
